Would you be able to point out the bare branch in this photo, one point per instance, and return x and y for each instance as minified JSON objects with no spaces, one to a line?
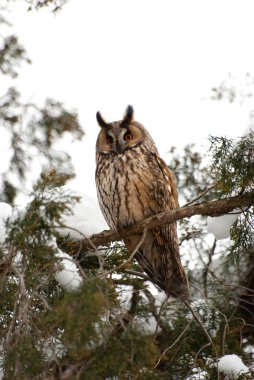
{"x":212,"y":208}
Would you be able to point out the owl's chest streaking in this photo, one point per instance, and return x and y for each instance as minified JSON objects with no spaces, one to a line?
{"x":130,"y":187}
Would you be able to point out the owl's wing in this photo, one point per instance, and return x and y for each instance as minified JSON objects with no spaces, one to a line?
{"x":159,"y":254}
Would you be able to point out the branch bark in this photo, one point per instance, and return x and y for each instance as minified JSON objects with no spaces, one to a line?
{"x":212,"y":208}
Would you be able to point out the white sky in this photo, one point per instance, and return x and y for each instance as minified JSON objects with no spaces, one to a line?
{"x":161,"y":56}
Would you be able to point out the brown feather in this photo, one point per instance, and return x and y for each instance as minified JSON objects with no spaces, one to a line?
{"x":135,"y":185}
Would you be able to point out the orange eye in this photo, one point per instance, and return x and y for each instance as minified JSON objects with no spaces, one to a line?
{"x":127,"y":137}
{"x":109,"y":140}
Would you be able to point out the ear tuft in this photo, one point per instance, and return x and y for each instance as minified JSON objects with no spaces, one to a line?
{"x":102,"y":123}
{"x":128,"y":116}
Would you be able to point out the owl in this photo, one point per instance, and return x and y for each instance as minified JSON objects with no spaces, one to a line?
{"x":133,"y":183}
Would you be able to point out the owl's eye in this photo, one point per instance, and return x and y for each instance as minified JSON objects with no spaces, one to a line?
{"x":109,"y":140}
{"x":127,"y":136}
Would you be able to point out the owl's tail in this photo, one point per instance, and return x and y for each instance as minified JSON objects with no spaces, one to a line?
{"x":162,"y":264}
{"x":174,"y":282}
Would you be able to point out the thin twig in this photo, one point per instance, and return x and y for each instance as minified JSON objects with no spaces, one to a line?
{"x":200,"y":195}
{"x":136,"y":273}
{"x":173,"y":344}
{"x":159,"y":315}
{"x":130,"y":257}
{"x":207,"y":266}
{"x":153,"y":309}
{"x":195,"y":316}
{"x":9,"y":334}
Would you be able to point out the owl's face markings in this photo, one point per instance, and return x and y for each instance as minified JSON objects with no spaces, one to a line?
{"x":116,"y":137}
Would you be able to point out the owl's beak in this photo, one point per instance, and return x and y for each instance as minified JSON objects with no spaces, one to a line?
{"x":119,"y":147}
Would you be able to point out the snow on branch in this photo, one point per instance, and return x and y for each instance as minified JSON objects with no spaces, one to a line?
{"x":232,"y":367}
{"x":212,"y":208}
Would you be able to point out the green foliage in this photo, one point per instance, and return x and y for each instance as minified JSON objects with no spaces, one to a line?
{"x":12,"y":53}
{"x":234,"y":89}
{"x":77,"y":318}
{"x":192,"y":175}
{"x":233,"y":167}
{"x":45,"y":210}
{"x":47,"y":330}
{"x":87,"y":331}
{"x":43,"y":126}
{"x":28,"y":264}
{"x":18,"y":359}
{"x":116,"y":325}
{"x":233,"y":164}
{"x":9,"y":192}
{"x":54,"y":5}
{"x":30,"y":130}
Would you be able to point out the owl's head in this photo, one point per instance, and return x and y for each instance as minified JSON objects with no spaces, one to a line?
{"x":118,"y":136}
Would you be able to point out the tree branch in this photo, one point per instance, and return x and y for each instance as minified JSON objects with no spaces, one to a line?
{"x":212,"y":208}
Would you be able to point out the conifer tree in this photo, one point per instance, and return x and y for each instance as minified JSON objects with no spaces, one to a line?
{"x":116,"y":324}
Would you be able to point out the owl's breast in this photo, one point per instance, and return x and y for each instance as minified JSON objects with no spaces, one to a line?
{"x":126,"y":188}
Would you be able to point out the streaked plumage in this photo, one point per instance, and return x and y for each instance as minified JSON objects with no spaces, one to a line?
{"x":133,"y":183}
